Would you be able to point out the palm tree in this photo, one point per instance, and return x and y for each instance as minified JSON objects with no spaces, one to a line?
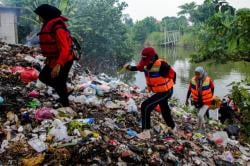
{"x":187,"y":8}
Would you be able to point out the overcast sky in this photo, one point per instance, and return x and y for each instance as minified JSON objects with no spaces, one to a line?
{"x":139,"y":9}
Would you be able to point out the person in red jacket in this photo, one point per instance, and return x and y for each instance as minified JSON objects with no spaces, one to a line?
{"x":160,"y":79}
{"x":55,"y":43}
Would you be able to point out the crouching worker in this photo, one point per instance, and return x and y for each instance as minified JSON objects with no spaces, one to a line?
{"x":55,"y":43}
{"x":160,"y":78}
{"x":201,"y":89}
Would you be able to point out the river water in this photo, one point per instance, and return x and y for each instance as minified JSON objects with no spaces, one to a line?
{"x":222,"y":74}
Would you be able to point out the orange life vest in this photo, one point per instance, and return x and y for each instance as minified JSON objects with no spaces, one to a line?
{"x":155,"y":82}
{"x":206,"y":94}
{"x":48,"y":44}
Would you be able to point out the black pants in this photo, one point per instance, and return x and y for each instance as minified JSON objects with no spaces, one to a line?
{"x":58,"y":83}
{"x":149,"y":104}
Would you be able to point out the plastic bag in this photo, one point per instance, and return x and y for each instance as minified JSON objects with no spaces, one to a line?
{"x":132,"y":106}
{"x":28,"y":75}
{"x":34,"y":104}
{"x":88,"y":121}
{"x":43,"y":113}
{"x":17,"y":69}
{"x":158,"y":108}
{"x":227,"y":156}
{"x":131,"y":133}
{"x":65,"y":112}
{"x":89,"y":91}
{"x":37,"y":145}
{"x":59,"y":131}
{"x":144,"y":135}
{"x":220,"y":138}
{"x":33,"y":93}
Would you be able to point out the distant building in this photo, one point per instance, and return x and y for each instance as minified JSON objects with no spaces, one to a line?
{"x":8,"y":24}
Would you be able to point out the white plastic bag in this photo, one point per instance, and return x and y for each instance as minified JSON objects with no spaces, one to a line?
{"x":132,"y":106}
{"x":37,"y":144}
{"x":59,"y":131}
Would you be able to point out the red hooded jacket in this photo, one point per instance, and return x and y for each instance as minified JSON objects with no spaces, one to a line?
{"x":55,"y":42}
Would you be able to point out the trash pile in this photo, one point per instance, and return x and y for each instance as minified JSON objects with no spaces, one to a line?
{"x":102,"y":126}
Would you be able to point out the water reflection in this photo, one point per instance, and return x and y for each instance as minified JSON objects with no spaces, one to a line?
{"x":222,"y":74}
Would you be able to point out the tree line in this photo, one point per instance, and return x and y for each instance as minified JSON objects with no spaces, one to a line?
{"x":215,"y":29}
{"x":218,"y":30}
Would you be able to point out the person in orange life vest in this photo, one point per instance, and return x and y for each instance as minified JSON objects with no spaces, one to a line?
{"x":201,"y":89}
{"x":55,"y":44}
{"x":157,"y":73}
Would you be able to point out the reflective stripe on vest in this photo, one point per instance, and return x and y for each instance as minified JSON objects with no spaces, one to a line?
{"x":206,"y":93}
{"x":155,"y":82}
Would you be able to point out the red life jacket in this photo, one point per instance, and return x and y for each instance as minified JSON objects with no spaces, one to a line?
{"x":47,"y":36}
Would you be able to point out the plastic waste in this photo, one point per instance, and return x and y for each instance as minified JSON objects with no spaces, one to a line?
{"x":186,"y":118}
{"x":17,"y":69}
{"x":4,"y":146}
{"x":144,"y":135}
{"x":37,"y":145}
{"x":40,"y":85}
{"x":12,"y":117}
{"x":110,"y":123}
{"x":33,"y":161}
{"x":33,"y":93}
{"x":86,"y":133}
{"x":1,"y":100}
{"x":44,"y":113}
{"x":131,"y":133}
{"x":89,"y":91}
{"x":132,"y":106}
{"x":158,"y":108}
{"x":65,"y":112}
{"x":99,"y":92}
{"x":219,"y":138}
{"x":34,"y":104}
{"x":198,"y":136}
{"x":87,"y":121}
{"x":245,"y":151}
{"x":227,"y":156}
{"x":111,"y":105}
{"x":59,"y":130}
{"x":113,"y":142}
{"x":169,"y":139}
{"x":28,"y":75}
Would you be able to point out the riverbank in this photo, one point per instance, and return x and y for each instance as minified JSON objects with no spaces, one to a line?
{"x":102,"y":125}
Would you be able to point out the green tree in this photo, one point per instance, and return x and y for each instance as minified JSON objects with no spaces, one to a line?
{"x":175,"y":23}
{"x":187,"y":9}
{"x":144,"y":27}
{"x":241,"y":95}
{"x":98,"y":24}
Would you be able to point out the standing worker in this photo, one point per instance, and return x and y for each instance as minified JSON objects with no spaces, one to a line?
{"x":201,"y":88}
{"x":160,"y":78}
{"x":55,"y":43}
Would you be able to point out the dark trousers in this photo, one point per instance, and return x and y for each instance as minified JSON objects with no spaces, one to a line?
{"x":149,"y":104}
{"x":58,"y":83}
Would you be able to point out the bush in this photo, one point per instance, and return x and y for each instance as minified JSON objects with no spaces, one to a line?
{"x":240,"y":93}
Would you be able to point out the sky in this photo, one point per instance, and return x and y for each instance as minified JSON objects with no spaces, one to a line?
{"x":139,"y":9}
